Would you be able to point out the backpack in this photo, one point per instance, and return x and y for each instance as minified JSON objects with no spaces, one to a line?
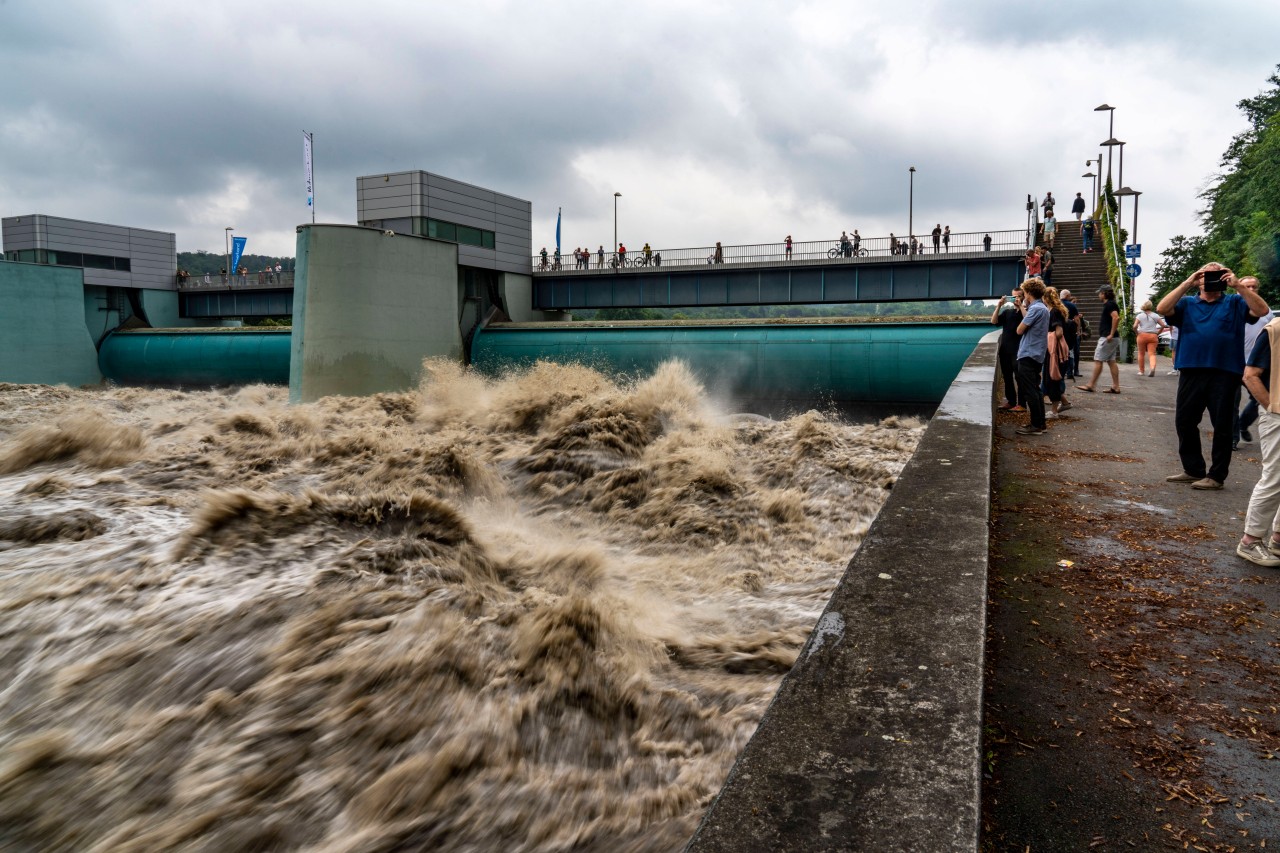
{"x":1085,"y":329}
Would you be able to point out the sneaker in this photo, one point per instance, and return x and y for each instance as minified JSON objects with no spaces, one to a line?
{"x":1207,"y":484}
{"x":1065,"y":405}
{"x":1172,"y":373}
{"x":1029,"y":430}
{"x":1018,"y":409}
{"x":1004,"y":407}
{"x":1245,"y":435}
{"x":1274,"y":547}
{"x":1184,"y":477}
{"x":1257,"y":553}
{"x":1051,"y":416}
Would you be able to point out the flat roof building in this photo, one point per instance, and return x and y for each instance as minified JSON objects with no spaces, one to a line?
{"x":493,"y":231}
{"x":110,"y":255}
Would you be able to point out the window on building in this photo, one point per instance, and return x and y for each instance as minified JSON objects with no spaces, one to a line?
{"x":465,"y":234}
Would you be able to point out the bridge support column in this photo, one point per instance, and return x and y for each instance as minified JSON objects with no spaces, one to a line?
{"x":368,"y":308}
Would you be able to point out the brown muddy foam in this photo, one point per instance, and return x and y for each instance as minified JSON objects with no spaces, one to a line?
{"x":539,"y":613}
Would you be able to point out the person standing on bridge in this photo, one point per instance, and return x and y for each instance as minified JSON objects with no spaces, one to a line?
{"x":1210,"y":365}
{"x":986,"y":243}
{"x":946,"y":239}
{"x":719,"y":253}
{"x":1032,"y":348}
{"x":893,"y":244}
{"x":857,"y":241}
{"x":1077,"y":207}
{"x":600,"y":255}
{"x":788,"y":247}
{"x":937,"y":237}
{"x":1262,"y":518}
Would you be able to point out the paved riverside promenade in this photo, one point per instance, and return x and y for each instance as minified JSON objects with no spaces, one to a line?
{"x":1132,"y":698}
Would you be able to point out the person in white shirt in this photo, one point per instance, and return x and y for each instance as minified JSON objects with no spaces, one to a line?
{"x":1148,"y":325}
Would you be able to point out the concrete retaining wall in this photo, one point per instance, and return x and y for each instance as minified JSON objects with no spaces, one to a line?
{"x":43,"y":335}
{"x":368,"y":308}
{"x":873,"y":740}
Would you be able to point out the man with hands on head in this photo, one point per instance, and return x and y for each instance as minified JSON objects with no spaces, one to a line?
{"x":1210,"y":363}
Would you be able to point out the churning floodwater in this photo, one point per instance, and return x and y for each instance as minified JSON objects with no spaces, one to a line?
{"x":543,"y":612}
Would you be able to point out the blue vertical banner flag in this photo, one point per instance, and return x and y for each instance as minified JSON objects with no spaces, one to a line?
{"x":237,"y":249}
{"x":306,"y":165}
{"x":558,"y":230}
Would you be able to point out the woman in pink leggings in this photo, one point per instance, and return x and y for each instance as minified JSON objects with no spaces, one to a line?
{"x":1148,"y":325}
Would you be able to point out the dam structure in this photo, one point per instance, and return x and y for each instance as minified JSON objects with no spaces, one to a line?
{"x":875,"y":733}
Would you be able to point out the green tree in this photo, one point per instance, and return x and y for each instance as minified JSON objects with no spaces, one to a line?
{"x":1184,"y":256}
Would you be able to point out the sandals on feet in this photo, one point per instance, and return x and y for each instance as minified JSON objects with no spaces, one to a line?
{"x":1110,"y":390}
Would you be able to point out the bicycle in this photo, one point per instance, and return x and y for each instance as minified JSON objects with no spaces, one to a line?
{"x":619,"y":261}
{"x":642,"y":261}
{"x":847,"y":251}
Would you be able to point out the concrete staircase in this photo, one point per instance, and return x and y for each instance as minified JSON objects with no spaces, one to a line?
{"x":1080,"y":273}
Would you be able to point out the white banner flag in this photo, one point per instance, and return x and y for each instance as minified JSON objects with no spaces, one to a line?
{"x":306,"y":162}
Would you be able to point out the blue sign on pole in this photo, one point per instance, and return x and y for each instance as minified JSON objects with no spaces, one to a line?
{"x":237,"y":249}
{"x":1133,"y":250}
{"x":1133,"y":270}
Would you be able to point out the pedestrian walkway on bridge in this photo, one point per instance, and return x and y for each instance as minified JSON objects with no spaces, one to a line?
{"x":1002,"y":243}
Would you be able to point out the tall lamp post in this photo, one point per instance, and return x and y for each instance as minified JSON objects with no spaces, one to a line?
{"x":616,"y":196}
{"x":1111,"y":130}
{"x":227,"y":269}
{"x":1127,"y":191}
{"x":1133,"y":238}
{"x":1092,"y":184}
{"x":911,"y":200}
{"x":1098,"y":183}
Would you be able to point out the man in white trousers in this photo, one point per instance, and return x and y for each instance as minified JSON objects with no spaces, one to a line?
{"x":1261,"y":541}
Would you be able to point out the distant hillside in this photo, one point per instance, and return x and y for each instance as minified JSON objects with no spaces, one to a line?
{"x":199,"y":263}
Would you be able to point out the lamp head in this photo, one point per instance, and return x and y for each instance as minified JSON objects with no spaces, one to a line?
{"x":617,"y":195}
{"x":912,"y":169}
{"x":1110,"y":142}
{"x":1099,"y":109}
{"x":1088,"y":175}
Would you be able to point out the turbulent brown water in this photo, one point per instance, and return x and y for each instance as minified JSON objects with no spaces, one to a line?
{"x":540,"y":613}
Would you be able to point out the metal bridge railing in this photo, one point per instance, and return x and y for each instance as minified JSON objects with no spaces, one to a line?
{"x":249,"y":281}
{"x":832,"y":251}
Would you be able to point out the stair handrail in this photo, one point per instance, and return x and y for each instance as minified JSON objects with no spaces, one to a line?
{"x":1114,"y":228}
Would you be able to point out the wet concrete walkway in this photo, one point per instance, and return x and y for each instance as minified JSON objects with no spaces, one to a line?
{"x":1133,"y":697}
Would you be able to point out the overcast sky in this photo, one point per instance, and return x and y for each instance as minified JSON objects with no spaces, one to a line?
{"x":737,"y":121}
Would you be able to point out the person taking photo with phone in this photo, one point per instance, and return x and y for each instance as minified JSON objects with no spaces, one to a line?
{"x":1210,"y":364}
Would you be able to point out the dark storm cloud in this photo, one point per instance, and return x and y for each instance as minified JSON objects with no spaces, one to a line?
{"x":744,"y":117}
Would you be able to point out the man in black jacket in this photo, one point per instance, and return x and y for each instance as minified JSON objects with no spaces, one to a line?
{"x":1077,"y":207}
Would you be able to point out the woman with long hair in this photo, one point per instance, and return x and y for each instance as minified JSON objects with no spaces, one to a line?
{"x":1058,"y":354}
{"x":1148,"y":325}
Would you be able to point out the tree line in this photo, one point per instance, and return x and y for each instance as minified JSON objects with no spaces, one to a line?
{"x":1241,"y":217}
{"x":201,"y":262}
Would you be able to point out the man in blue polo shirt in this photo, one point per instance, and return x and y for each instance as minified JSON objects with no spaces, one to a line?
{"x":1033,"y":332}
{"x":1210,"y":363}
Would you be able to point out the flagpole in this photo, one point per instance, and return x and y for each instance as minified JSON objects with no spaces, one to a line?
{"x":313,"y":177}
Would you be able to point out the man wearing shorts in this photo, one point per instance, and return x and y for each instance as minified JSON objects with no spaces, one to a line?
{"x":1108,"y":347}
{"x":1210,"y":365}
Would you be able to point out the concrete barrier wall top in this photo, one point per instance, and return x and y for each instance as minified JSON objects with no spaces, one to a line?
{"x":873,"y":740}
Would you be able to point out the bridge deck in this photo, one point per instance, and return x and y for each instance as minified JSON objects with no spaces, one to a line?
{"x":897,"y":278}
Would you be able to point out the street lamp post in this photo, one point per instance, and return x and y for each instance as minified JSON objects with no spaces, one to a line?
{"x":616,"y":196}
{"x":1126,"y":191}
{"x":227,"y":268}
{"x":911,"y":199}
{"x":1111,"y":130}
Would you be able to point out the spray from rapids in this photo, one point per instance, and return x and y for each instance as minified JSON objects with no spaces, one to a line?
{"x":538,"y":613}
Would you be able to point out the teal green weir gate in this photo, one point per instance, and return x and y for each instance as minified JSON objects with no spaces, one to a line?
{"x":848,"y":362}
